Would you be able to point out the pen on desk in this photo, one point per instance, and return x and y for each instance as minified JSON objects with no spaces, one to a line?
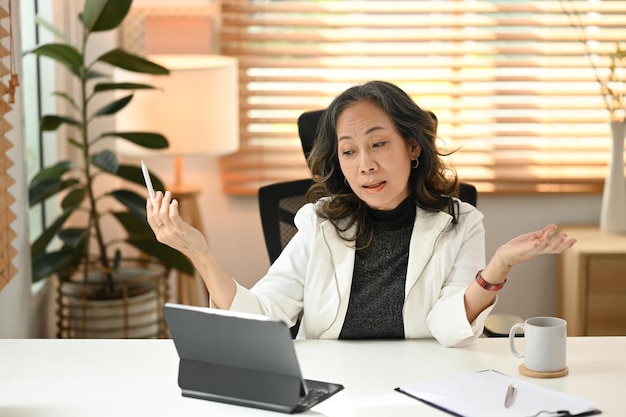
{"x":510,"y":396}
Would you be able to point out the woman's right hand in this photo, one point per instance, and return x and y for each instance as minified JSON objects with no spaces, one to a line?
{"x":170,"y":229}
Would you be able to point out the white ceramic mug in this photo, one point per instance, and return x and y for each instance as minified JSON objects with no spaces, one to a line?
{"x":545,"y":343}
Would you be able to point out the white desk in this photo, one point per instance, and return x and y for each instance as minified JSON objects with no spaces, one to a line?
{"x":47,"y":377}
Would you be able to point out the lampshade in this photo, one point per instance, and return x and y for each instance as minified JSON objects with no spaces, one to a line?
{"x":196,"y":107}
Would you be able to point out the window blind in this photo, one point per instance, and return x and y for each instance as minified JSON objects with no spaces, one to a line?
{"x":510,"y":81}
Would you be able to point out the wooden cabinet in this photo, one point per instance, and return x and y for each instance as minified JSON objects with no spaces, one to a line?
{"x":591,"y":283}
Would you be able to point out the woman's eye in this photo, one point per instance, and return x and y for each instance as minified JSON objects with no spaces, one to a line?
{"x":379,"y":144}
{"x":347,"y":152}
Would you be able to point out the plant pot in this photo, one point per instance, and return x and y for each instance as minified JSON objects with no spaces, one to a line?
{"x":613,"y":214}
{"x":135,"y":313}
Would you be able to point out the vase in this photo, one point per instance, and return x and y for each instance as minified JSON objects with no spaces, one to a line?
{"x":613,"y":214}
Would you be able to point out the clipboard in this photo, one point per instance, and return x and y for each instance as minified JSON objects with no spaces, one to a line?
{"x":457,"y":395}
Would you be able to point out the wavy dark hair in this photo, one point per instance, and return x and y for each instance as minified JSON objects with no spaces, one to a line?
{"x":431,"y":184}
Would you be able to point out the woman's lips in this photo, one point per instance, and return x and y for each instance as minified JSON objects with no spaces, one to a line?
{"x":374,"y":186}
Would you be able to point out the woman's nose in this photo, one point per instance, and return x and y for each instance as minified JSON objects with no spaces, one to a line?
{"x":368,"y":164}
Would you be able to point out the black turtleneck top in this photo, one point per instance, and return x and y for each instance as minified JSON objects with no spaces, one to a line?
{"x":377,"y":293}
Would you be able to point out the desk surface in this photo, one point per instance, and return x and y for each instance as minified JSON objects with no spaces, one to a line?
{"x":48,"y":377}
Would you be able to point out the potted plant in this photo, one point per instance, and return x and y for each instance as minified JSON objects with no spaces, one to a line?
{"x":82,"y":246}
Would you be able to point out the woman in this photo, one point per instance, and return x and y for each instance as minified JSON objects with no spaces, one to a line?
{"x":384,"y":250}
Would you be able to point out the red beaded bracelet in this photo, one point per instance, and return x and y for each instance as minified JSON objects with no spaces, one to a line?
{"x":486,"y":285}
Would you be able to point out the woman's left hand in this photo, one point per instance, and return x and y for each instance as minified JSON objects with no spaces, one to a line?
{"x":519,"y":249}
{"x":529,"y":245}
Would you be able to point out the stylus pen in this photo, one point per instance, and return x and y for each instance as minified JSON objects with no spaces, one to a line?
{"x":146,"y":177}
{"x":510,"y":396}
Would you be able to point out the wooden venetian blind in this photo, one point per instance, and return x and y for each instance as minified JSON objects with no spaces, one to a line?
{"x":8,"y":82}
{"x":509,"y":81}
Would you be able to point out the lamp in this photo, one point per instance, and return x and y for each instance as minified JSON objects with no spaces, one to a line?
{"x":196,"y":108}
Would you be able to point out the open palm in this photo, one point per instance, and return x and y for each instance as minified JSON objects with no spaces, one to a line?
{"x":529,"y":245}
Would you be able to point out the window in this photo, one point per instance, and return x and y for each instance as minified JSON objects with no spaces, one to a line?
{"x":509,"y":81}
{"x":38,"y":84}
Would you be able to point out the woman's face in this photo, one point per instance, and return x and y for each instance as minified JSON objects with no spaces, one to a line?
{"x":373,"y":156}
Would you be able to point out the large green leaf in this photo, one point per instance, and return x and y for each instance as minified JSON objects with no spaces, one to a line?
{"x":148,"y":140}
{"x":102,"y":15}
{"x":40,"y":244}
{"x":135,"y":203}
{"x":122,"y":59}
{"x":114,"y":106}
{"x":134,"y":174}
{"x":164,"y":254}
{"x":133,"y":227}
{"x":106,"y":161}
{"x":64,"y":54}
{"x":46,"y":189}
{"x":52,"y":122}
{"x":74,"y":198}
{"x":50,"y":263}
{"x":93,"y":74}
{"x":121,"y":86}
{"x":55,"y":171}
{"x":74,"y":237}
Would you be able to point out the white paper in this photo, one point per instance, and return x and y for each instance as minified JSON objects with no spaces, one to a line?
{"x":481,"y":394}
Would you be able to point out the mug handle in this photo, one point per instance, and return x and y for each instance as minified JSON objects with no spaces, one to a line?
{"x":512,"y":339}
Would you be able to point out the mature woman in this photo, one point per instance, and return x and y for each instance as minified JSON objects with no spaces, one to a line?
{"x":384,"y":250}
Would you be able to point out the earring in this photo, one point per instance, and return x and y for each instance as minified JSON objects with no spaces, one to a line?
{"x":415,"y":163}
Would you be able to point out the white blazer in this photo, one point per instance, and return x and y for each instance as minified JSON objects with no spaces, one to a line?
{"x":313,"y":276}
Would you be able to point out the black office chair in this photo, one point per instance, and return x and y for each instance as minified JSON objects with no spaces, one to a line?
{"x":278,"y":204}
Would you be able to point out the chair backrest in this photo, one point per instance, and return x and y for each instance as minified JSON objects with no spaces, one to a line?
{"x":468,"y":193}
{"x":278,"y":204}
{"x":307,"y":127}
